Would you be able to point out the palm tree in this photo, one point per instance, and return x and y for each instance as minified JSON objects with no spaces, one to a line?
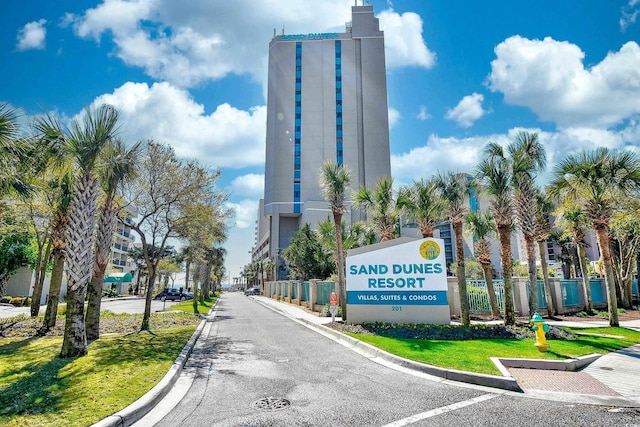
{"x":527,"y":157}
{"x":380,"y":205}
{"x":83,"y":142}
{"x":483,"y":227}
{"x":494,"y":173}
{"x":422,"y":203}
{"x":542,"y":232}
{"x":454,"y":191}
{"x":334,"y":183}
{"x":595,"y":180}
{"x":13,"y":154}
{"x":118,"y":166}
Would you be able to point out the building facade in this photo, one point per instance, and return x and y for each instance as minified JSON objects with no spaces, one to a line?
{"x":327,"y":99}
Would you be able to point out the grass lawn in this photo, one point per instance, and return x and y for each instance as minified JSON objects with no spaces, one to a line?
{"x":37,"y":388}
{"x":474,"y":355}
{"x":187,"y":306}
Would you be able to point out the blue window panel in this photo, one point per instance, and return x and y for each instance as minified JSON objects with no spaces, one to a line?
{"x":338,"y":84}
{"x":296,"y":148}
{"x":339,"y":160}
{"x":338,"y":72}
{"x":339,"y":121}
{"x":339,"y":96}
{"x":339,"y":146}
{"x":296,"y":162}
{"x":296,"y":174}
{"x":298,"y":74}
{"x":338,"y":61}
{"x":298,"y":97}
{"x":298,"y":109}
{"x":339,"y":133}
{"x":296,"y":207}
{"x":297,"y":135}
{"x":338,"y":115}
{"x":298,"y":122}
{"x":298,"y":85}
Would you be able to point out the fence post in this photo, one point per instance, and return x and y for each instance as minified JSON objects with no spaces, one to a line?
{"x":313,"y":294}
{"x":454,"y":298}
{"x":556,"y":291}
{"x":520,"y":297}
{"x":299,"y":292}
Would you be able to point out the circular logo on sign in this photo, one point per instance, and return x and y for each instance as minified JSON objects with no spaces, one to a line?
{"x":429,"y":250}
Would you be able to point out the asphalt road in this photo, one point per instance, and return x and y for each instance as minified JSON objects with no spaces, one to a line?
{"x":250,"y":354}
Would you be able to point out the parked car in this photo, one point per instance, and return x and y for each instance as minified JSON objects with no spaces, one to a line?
{"x":174,"y":294}
{"x":252,"y":291}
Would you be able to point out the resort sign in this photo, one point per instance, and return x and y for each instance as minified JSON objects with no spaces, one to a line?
{"x":403,"y":280}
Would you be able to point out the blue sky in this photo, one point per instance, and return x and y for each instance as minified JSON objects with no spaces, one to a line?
{"x":460,"y":74}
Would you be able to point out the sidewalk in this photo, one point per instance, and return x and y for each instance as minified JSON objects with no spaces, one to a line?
{"x":612,"y":379}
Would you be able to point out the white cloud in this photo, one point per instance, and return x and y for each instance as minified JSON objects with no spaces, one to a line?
{"x":228,"y":137}
{"x":394,"y":117}
{"x":192,"y":41}
{"x":246,"y":213}
{"x":32,"y":36}
{"x":248,"y":185}
{"x":549,"y":77}
{"x":464,"y":154}
{"x":629,"y":14}
{"x":403,"y":40}
{"x":468,"y":110}
{"x":423,"y":114}
{"x":439,"y":154}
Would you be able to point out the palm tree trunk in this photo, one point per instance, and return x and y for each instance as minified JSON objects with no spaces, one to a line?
{"x":75,"y":340}
{"x":104,"y":238}
{"x":504,"y":235}
{"x":549,"y":296}
{"x":80,"y":249}
{"x":585,"y":279}
{"x":340,"y":286}
{"x":461,"y":273}
{"x":533,"y":274}
{"x":54,"y":289}
{"x":602,"y":234}
{"x":488,"y":278}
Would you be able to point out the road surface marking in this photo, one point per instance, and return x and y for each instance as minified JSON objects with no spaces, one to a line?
{"x":432,"y":413}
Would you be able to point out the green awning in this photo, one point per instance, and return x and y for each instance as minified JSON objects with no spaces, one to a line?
{"x":118,"y":278}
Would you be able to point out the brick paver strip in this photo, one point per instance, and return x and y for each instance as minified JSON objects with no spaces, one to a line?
{"x":563,"y":381}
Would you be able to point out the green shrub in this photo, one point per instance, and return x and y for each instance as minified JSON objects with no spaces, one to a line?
{"x":582,"y":314}
{"x":18,"y":301}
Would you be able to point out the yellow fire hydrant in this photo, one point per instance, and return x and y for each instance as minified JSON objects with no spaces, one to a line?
{"x":541,"y":329}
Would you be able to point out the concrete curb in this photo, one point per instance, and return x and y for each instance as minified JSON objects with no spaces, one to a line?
{"x":142,"y":406}
{"x":551,"y":365}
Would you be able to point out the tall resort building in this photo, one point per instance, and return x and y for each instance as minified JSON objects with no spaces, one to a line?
{"x":326,"y":99}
